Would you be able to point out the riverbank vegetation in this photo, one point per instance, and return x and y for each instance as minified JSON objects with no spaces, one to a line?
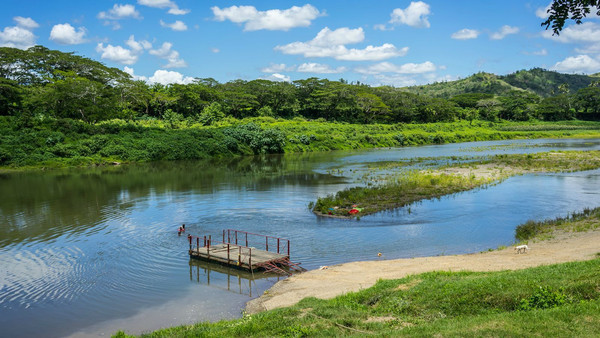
{"x":549,"y":301}
{"x":59,"y":109}
{"x":401,"y":189}
{"x":588,"y":219}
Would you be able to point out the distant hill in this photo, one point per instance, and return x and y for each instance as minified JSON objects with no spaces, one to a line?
{"x":540,"y":81}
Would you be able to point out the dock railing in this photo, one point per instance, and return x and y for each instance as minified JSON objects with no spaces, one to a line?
{"x":238,"y":237}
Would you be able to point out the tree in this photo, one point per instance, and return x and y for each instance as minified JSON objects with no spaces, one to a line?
{"x":561,"y":10}
{"x":373,"y":109}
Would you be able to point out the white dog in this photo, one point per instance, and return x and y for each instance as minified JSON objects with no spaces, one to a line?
{"x":522,"y":248}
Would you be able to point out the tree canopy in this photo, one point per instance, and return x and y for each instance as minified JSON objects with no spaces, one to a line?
{"x":562,"y":10}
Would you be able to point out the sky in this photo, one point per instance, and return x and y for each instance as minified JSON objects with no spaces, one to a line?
{"x":398,"y":43}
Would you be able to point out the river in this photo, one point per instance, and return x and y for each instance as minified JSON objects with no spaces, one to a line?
{"x":85,"y":252}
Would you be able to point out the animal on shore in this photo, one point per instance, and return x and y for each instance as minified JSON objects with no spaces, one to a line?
{"x":522,"y":248}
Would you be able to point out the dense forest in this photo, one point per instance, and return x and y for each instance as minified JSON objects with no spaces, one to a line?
{"x":61,"y":109}
{"x":44,"y":82}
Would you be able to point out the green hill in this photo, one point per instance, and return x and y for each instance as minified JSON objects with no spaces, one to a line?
{"x":477,"y":83}
{"x":540,"y":81}
{"x":545,"y":82}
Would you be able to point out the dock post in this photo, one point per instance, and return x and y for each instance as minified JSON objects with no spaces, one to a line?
{"x":190,"y":239}
{"x":250,"y":259}
{"x":239,"y":255}
{"x":197,"y":244}
{"x":236,"y":237}
{"x":228,"y":236}
{"x":223,"y":236}
{"x":288,"y":248}
{"x":267,"y":243}
{"x":246,"y":239}
{"x":204,"y":240}
{"x":208,"y":248}
{"x":227,"y":252}
{"x":277,"y":244}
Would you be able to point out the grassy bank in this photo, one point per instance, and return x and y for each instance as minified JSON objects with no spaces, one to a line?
{"x":46,"y":142}
{"x":556,"y":300}
{"x":588,"y":219}
{"x":412,"y":186}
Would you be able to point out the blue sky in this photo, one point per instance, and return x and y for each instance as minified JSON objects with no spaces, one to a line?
{"x":379,"y":42}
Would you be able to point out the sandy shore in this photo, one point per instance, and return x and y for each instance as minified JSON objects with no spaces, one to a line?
{"x":339,"y":279}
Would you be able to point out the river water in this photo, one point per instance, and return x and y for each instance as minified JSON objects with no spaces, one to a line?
{"x":88,"y":252}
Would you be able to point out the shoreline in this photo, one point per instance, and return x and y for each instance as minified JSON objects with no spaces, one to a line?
{"x":339,"y":279}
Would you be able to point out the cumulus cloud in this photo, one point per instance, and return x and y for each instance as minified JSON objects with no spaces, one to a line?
{"x":278,"y":77}
{"x":130,"y":71}
{"x":585,"y":33}
{"x":20,"y":36}
{"x":65,"y":34}
{"x":117,"y":54}
{"x":330,"y":43}
{"x":27,"y":23}
{"x":137,"y":46}
{"x":407,"y":68}
{"x":503,"y":32}
{"x":121,"y":54}
{"x":577,"y":64}
{"x":178,"y":25}
{"x":318,"y":68}
{"x":276,"y":68}
{"x":465,"y":34}
{"x":172,"y":6}
{"x":120,"y":12}
{"x":542,"y":12}
{"x":166,"y":77}
{"x":172,"y":56}
{"x":415,"y":15}
{"x":273,"y":19}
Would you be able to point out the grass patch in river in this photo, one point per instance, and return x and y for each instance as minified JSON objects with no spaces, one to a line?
{"x":462,"y":175}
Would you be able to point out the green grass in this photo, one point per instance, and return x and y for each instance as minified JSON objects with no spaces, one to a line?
{"x":555,"y":300}
{"x":588,"y":219}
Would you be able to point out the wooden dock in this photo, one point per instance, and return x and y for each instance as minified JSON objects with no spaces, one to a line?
{"x":234,"y":251}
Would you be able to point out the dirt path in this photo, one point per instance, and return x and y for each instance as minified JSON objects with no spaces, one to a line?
{"x":339,"y":279}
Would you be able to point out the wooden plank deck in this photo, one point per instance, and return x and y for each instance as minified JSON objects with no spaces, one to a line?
{"x":248,"y":259}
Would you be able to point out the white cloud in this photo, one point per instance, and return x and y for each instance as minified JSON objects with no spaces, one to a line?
{"x":542,"y":12}
{"x":395,"y":80}
{"x":176,"y":26}
{"x":120,"y":12}
{"x":173,"y":8}
{"x":129,"y":71}
{"x":318,"y":68}
{"x":589,"y":49}
{"x":273,"y":19}
{"x":330,"y":43}
{"x":585,"y":33}
{"x":465,"y":34}
{"x":172,"y":56}
{"x":415,"y":15}
{"x":407,"y":68}
{"x":278,"y":77}
{"x":27,"y":23}
{"x":541,"y":52}
{"x":382,"y":27}
{"x":577,"y":64}
{"x":117,"y":54}
{"x":65,"y":34}
{"x":166,"y":77}
{"x":137,"y":46}
{"x":503,"y":32}
{"x":20,"y":36}
{"x":215,"y":50}
{"x":276,"y":68}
